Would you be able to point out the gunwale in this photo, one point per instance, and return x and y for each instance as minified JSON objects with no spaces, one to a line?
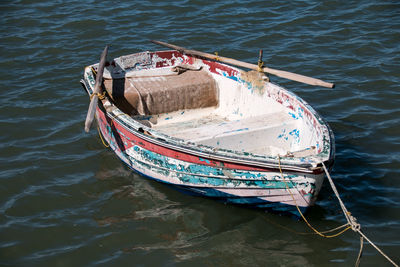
{"x":168,"y":58}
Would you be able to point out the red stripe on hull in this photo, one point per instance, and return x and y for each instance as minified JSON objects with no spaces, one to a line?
{"x":127,"y":139}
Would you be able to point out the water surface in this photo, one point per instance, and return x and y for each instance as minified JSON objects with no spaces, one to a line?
{"x":65,"y":200}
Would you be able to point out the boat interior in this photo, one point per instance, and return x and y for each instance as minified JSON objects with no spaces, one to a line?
{"x":197,"y":106}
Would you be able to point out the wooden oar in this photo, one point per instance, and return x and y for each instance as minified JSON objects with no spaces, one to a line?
{"x":96,"y":91}
{"x":279,"y":73}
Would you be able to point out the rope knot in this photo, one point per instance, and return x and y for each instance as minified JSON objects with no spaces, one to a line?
{"x":355,"y":226}
{"x":217,"y":57}
{"x":260,"y":66}
{"x":100,"y":96}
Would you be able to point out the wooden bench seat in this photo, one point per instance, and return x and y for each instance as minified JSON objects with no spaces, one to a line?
{"x":151,"y":95}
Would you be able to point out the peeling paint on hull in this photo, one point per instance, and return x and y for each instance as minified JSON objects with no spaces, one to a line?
{"x":251,"y":188}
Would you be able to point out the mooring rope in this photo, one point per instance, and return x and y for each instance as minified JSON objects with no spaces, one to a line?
{"x":356,"y":227}
{"x":351,"y":220}
{"x":320,"y":233}
{"x":101,"y":137}
{"x":303,"y":233}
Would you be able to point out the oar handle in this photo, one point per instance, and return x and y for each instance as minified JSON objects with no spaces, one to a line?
{"x":279,"y":73}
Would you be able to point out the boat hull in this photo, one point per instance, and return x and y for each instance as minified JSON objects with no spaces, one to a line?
{"x":228,"y":182}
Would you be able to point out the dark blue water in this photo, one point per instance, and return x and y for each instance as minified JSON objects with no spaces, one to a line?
{"x":65,"y":200}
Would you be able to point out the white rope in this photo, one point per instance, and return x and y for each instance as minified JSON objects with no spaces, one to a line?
{"x":350,"y":219}
{"x":378,"y":249}
{"x":355,"y":226}
{"x":360,"y":252}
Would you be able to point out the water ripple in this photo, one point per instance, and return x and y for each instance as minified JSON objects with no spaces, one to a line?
{"x":65,"y":200}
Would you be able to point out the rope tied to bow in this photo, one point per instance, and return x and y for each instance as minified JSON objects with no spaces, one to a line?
{"x":351,"y":220}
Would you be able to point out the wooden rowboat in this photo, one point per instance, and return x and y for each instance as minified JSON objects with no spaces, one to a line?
{"x":212,"y":130}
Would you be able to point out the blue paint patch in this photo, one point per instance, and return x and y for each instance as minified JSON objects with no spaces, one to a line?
{"x":296,"y":135}
{"x":246,"y":175}
{"x":238,"y":130}
{"x":228,"y":182}
{"x":293,"y":115}
{"x":143,"y":117}
{"x":235,"y":78}
{"x":300,"y":112}
{"x":283,"y":135}
{"x":197,"y":174}
{"x":204,"y":160}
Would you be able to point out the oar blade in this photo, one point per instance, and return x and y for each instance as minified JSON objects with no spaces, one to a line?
{"x":96,"y":90}
{"x":299,"y":78}
{"x":90,"y":114}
